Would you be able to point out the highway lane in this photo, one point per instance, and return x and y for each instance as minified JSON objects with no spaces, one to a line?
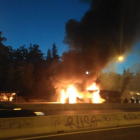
{"x":72,"y":112}
{"x":118,"y":133}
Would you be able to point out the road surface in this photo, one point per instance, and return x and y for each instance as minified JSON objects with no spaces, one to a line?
{"x":72,"y":112}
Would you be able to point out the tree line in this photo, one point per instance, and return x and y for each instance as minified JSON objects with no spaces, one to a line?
{"x":27,"y":70}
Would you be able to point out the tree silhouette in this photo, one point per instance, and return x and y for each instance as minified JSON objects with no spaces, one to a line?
{"x":5,"y":60}
{"x":20,"y":54}
{"x":34,"y":54}
{"x":49,"y":57}
{"x":54,"y":52}
{"x":2,"y":38}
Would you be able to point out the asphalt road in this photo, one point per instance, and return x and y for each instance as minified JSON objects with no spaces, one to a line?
{"x":118,"y":133}
{"x":71,"y":112}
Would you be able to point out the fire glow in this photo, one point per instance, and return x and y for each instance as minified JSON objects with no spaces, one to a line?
{"x":72,"y":94}
{"x":7,"y":97}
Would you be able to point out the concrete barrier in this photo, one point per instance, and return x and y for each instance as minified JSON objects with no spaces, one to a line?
{"x":80,"y":106}
{"x":12,"y":127}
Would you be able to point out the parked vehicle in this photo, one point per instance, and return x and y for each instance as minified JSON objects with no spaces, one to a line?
{"x":9,"y":110}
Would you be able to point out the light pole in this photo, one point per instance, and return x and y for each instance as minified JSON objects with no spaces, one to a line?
{"x":120,"y":59}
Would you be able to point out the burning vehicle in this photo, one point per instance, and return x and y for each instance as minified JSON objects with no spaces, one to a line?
{"x":72,"y":95}
{"x":8,"y":96}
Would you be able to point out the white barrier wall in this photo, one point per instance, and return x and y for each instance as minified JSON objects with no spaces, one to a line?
{"x":12,"y":127}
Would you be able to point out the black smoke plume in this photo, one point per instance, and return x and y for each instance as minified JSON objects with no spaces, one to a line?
{"x":110,"y":28}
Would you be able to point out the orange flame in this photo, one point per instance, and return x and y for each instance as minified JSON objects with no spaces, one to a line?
{"x":10,"y":99}
{"x":96,"y":97}
{"x":63,"y":96}
{"x":72,"y":94}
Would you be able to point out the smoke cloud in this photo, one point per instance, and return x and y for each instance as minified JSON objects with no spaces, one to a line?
{"x":110,"y":28}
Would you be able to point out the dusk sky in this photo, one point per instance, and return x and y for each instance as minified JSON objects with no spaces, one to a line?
{"x":42,"y":22}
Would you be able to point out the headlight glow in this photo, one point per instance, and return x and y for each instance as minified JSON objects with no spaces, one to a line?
{"x":17,"y":109}
{"x":39,"y":113}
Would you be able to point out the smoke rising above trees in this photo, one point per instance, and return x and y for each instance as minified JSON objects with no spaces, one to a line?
{"x":107,"y":30}
{"x":33,"y":78}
